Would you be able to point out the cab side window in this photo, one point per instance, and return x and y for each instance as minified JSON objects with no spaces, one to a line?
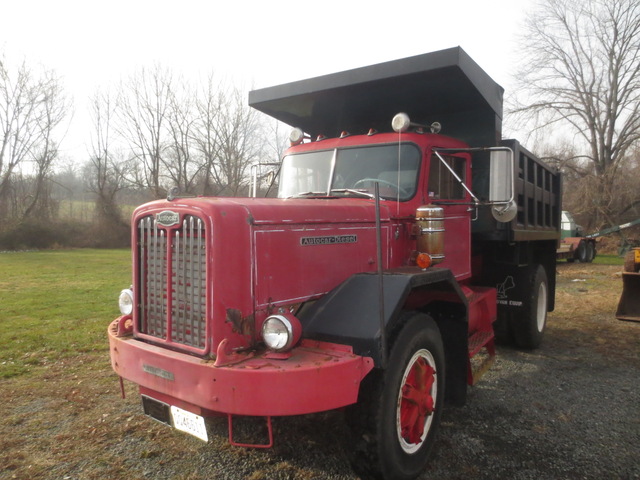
{"x":442,"y":184}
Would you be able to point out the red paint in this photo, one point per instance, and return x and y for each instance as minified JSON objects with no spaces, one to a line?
{"x":258,"y":386}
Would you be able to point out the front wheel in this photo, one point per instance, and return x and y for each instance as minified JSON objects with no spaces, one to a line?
{"x":398,"y":413}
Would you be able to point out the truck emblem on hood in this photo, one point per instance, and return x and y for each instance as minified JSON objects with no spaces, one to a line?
{"x":329,"y":240}
{"x":168,"y":218}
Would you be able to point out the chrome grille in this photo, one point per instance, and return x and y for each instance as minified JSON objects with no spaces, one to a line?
{"x":172,"y":276}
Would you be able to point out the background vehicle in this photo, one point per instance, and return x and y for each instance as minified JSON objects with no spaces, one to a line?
{"x":373,"y":280}
{"x":575,"y":245}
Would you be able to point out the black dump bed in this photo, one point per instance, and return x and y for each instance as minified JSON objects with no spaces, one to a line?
{"x":446,"y":86}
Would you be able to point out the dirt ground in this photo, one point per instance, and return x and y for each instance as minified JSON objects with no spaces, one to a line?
{"x":569,"y":410}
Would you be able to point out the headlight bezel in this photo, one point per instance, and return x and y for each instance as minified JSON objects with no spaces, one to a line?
{"x":281,"y":332}
{"x":125,"y":301}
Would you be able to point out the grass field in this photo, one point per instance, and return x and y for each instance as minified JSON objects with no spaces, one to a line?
{"x":57,"y":304}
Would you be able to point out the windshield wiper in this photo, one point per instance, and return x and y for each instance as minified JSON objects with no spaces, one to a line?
{"x":361,"y":193}
{"x":308,"y":194}
{"x":355,"y":192}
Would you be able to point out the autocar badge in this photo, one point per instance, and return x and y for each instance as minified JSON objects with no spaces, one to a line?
{"x":167,"y":218}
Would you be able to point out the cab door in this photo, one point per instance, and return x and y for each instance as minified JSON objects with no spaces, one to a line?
{"x":446,"y":191}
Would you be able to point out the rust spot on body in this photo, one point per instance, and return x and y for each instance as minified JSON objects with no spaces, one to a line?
{"x":243,"y":325}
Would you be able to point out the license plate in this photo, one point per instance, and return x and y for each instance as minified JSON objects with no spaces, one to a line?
{"x":189,"y":422}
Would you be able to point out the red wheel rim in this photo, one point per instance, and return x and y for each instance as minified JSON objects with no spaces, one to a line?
{"x":416,"y":401}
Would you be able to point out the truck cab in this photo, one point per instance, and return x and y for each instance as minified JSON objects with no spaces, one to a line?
{"x":409,"y":173}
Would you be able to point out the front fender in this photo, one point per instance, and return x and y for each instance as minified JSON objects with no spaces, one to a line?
{"x":349,"y":314}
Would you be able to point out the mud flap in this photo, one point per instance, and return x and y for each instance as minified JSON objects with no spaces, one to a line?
{"x":629,"y":304}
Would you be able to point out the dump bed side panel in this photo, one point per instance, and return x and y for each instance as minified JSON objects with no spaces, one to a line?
{"x":538,"y":194}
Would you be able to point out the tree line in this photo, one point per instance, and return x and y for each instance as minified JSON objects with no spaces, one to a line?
{"x":157,"y":132}
{"x":577,"y":92}
{"x":153,"y":132}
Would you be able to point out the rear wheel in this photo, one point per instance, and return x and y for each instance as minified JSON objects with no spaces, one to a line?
{"x":581,"y":252}
{"x":590,"y":253}
{"x":528,"y":326}
{"x":398,"y":413}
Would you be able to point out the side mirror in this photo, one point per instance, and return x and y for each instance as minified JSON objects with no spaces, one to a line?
{"x":271,"y":176}
{"x":501,"y":184}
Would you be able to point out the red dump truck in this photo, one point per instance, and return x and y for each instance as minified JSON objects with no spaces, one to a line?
{"x":405,"y":237}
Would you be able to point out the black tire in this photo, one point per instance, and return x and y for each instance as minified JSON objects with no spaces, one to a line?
{"x":389,"y":442}
{"x":528,"y":327}
{"x":590,"y":252}
{"x":581,"y":252}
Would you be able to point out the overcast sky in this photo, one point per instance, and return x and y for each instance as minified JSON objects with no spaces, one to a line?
{"x":92,"y":44}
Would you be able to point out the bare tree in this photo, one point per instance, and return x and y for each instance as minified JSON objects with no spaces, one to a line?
{"x":31,"y":108}
{"x":143,"y":113}
{"x":181,"y":160}
{"x":238,"y":141}
{"x":582,"y":73}
{"x":53,"y":108}
{"x":15,"y":111}
{"x":105,"y":174}
{"x":201,"y":140}
{"x":227,"y":137}
{"x":205,"y":133}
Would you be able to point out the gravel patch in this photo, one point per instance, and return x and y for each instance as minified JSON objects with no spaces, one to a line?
{"x":542,"y":416}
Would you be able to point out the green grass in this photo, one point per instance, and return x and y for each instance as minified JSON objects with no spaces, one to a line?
{"x":601,"y":260}
{"x":608,"y":260}
{"x":57,"y":304}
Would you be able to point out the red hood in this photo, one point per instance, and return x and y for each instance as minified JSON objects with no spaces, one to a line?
{"x":275,"y":211}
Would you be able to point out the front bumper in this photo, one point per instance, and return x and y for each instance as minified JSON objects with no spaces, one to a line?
{"x":318,"y":376}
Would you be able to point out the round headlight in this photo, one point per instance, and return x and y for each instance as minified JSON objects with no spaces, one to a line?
{"x":125,"y":301}
{"x":281,"y":332}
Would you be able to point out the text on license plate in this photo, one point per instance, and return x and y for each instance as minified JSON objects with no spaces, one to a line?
{"x":189,"y":422}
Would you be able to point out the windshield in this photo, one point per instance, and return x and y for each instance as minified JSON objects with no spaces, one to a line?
{"x":352,"y":171}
